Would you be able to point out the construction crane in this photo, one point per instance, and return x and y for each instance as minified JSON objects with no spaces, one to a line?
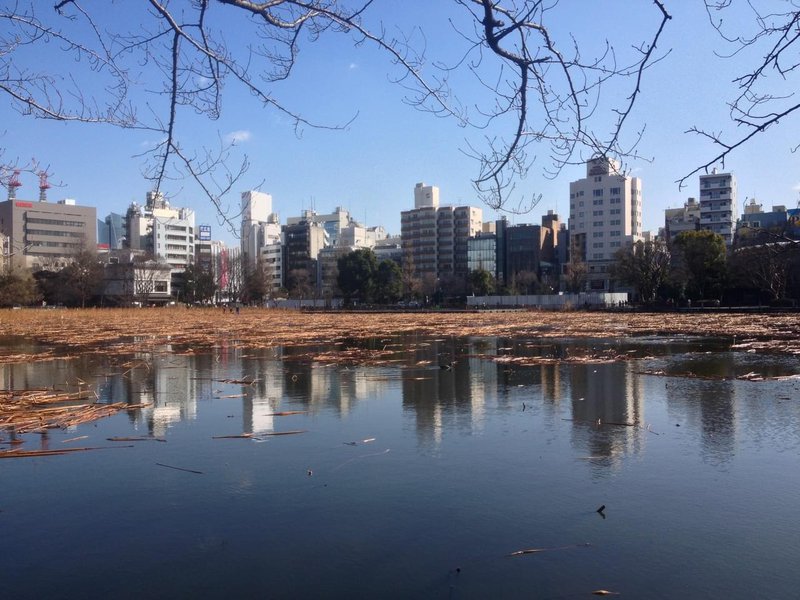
{"x":13,"y":184}
{"x":44,"y":185}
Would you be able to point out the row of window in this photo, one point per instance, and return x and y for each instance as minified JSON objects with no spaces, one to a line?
{"x":72,"y":234}
{"x":60,"y":222}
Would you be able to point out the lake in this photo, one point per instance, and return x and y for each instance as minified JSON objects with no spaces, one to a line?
{"x":413,"y":467}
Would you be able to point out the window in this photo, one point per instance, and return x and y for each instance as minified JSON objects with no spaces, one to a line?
{"x":597,"y":234}
{"x":614,"y":191}
{"x":597,"y":213}
{"x":597,"y":223}
{"x":597,"y":193}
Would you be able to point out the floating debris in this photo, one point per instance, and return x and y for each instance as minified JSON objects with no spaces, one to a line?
{"x":539,"y":550}
{"x":20,"y":453}
{"x":180,"y":469}
{"x":198,"y":329}
{"x":34,"y":411}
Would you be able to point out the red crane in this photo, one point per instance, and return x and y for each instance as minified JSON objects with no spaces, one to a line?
{"x":44,"y":185}
{"x":13,"y":184}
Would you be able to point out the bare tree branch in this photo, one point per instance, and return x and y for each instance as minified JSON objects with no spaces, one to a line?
{"x":758,"y":106}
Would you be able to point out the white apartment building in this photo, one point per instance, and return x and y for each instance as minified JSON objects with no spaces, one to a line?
{"x":718,"y":204}
{"x":272,"y":263}
{"x":358,"y":236}
{"x":165,"y":232}
{"x":426,"y":196}
{"x":605,"y":215}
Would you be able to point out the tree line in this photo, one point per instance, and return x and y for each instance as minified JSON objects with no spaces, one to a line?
{"x":696,"y":267}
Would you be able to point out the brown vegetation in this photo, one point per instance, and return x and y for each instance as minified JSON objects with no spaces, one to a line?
{"x":123,"y":331}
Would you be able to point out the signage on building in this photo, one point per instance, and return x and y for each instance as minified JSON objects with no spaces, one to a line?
{"x":23,"y":204}
{"x":793,"y":222}
{"x":205,"y":233}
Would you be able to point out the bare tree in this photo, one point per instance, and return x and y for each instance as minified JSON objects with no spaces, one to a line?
{"x":757,"y":105}
{"x":643,"y":265}
{"x":171,"y":60}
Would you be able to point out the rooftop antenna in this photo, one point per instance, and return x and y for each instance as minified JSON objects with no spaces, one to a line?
{"x":44,"y":185}
{"x":13,"y":184}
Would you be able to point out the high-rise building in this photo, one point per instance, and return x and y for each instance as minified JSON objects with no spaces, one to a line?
{"x":332,"y":223}
{"x":302,"y":244}
{"x":111,"y":231}
{"x":605,"y":215}
{"x":718,"y":204}
{"x":260,"y":226}
{"x":434,"y":238}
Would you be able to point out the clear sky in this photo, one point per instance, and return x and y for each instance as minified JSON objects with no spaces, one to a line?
{"x":372,"y":166}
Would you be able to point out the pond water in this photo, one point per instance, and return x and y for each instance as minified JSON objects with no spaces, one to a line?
{"x":417,"y":476}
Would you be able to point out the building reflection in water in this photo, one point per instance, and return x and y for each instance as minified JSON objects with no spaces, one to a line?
{"x":605,"y":397}
{"x":448,"y":386}
{"x":709,"y":407}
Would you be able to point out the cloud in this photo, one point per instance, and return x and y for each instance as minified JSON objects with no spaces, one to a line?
{"x":796,"y":187}
{"x":237,"y":137}
{"x":352,"y":66}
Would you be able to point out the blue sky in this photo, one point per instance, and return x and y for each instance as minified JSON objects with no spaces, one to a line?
{"x":372,"y":166}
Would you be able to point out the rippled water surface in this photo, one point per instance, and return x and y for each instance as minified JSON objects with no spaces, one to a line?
{"x":416,"y":474}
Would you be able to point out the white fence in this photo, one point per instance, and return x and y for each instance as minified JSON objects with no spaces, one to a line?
{"x":310,"y":303}
{"x":554,"y":301}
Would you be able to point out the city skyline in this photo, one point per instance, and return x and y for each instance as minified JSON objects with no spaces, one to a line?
{"x":370,"y":168}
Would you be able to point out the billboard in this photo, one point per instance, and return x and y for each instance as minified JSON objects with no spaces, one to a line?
{"x":205,"y":233}
{"x":793,"y":223}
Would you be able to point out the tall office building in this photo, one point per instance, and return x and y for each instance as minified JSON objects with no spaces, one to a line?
{"x":333,"y":223}
{"x":40,"y":235}
{"x":260,"y":226}
{"x":718,"y":204}
{"x":605,"y":215}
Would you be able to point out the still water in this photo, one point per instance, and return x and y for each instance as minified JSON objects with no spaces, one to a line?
{"x":417,"y":475}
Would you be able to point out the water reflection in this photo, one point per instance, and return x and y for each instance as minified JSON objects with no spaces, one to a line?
{"x":607,"y":409}
{"x":489,"y":455}
{"x":448,"y":386}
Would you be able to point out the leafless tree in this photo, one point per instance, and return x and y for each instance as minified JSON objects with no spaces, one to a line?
{"x":548,"y":91}
{"x":172,"y":60}
{"x":764,"y":94}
